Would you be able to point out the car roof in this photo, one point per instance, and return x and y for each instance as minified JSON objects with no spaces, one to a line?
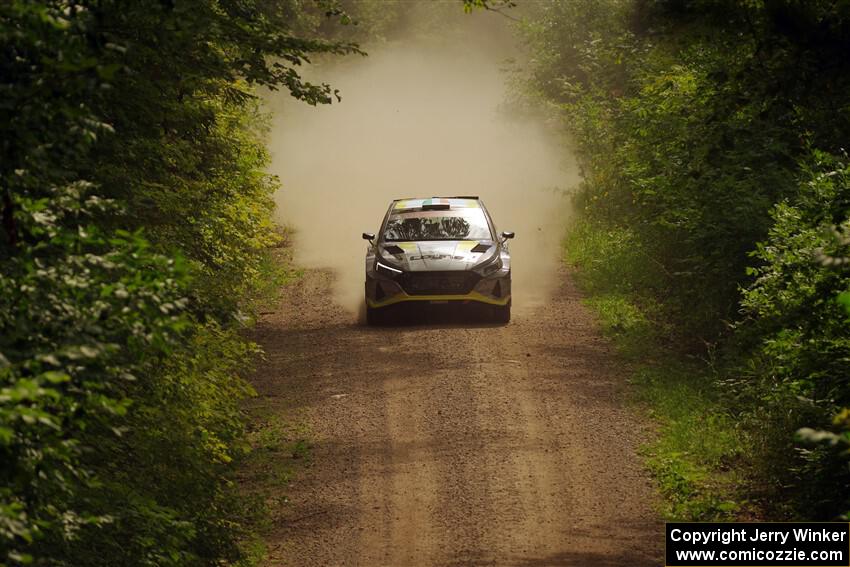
{"x":460,"y":202}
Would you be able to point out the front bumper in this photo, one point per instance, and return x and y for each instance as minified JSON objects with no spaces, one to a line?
{"x":383,"y":292}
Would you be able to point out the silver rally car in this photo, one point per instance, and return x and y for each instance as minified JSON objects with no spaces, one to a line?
{"x":438,"y":250}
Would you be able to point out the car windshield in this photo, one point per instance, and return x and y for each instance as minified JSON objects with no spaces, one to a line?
{"x":457,"y":224}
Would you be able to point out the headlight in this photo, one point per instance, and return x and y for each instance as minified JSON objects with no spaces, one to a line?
{"x":386,"y":270}
{"x":491,"y":268}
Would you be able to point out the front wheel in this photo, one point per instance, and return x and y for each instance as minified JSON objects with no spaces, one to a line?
{"x":502,"y":314}
{"x":375,"y":317}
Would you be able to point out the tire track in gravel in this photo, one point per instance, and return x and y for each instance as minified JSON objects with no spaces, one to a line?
{"x":450,"y":442}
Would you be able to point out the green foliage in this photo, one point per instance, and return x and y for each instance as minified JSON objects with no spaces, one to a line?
{"x":610,"y":266}
{"x":713,"y":201}
{"x":169,"y":468}
{"x":85,"y":317}
{"x":796,"y":376}
{"x":491,"y":5}
{"x":135,"y":225}
{"x":698,"y":443}
{"x":605,"y":255}
{"x":698,"y":454}
{"x":687,"y":135}
{"x":279,"y":448}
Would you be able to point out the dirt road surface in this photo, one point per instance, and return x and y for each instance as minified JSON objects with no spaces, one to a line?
{"x":451,"y":442}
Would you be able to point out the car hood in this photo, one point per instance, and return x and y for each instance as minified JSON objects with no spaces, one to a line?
{"x":438,"y":255}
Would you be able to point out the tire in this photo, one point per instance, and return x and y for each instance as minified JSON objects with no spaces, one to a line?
{"x":375,"y":317}
{"x":502,"y":314}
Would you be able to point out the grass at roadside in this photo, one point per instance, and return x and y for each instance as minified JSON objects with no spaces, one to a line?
{"x":279,"y":448}
{"x":276,"y":439}
{"x":276,"y":271}
{"x":694,"y":454}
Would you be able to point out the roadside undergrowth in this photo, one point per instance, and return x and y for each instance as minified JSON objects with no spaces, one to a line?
{"x":276,"y":439}
{"x":276,"y":270}
{"x":278,"y":448}
{"x":697,"y":443}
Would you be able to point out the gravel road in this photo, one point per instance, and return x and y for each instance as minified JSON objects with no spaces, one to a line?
{"x":450,"y":442}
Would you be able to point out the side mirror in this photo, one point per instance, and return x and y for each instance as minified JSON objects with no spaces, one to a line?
{"x":508,"y":235}
{"x":368,"y":236}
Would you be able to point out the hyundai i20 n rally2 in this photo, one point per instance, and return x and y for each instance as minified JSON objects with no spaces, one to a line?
{"x":438,"y":250}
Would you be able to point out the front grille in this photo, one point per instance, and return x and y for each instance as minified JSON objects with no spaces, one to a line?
{"x":438,"y":283}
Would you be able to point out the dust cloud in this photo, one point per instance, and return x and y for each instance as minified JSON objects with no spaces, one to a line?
{"x":418,"y":119}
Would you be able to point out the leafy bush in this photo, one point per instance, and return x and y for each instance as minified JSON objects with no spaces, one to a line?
{"x":797,"y":373}
{"x":135,"y":216}
{"x":707,"y":132}
{"x":85,"y":318}
{"x":684,"y":135}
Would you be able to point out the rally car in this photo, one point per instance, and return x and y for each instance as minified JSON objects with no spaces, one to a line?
{"x":438,"y":250}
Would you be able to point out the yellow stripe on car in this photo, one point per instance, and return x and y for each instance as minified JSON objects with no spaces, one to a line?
{"x":473,"y":296}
